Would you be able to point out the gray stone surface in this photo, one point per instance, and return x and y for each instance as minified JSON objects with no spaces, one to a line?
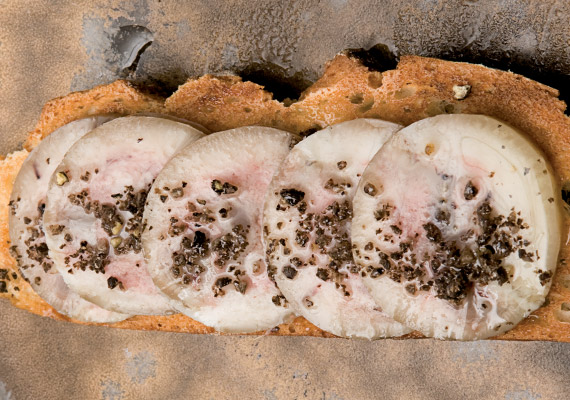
{"x":49,"y":48}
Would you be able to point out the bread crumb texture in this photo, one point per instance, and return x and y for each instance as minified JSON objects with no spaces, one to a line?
{"x":418,"y":88}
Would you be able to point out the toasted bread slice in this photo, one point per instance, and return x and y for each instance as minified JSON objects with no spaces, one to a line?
{"x":418,"y":88}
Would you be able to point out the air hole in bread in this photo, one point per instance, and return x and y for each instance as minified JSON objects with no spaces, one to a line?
{"x":565,"y":192}
{"x":286,"y":87}
{"x":377,"y":58}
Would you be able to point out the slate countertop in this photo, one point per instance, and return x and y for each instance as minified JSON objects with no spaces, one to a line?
{"x":50,"y":48}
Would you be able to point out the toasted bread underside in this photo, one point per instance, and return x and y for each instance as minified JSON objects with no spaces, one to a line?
{"x":418,"y":88}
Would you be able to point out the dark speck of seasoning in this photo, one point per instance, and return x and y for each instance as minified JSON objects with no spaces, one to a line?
{"x":112,"y":282}
{"x":278,"y":300}
{"x":341,"y":164}
{"x":551,"y":200}
{"x":139,"y":140}
{"x":525,"y":256}
{"x":442,"y":216}
{"x":370,"y":189}
{"x":163,"y":198}
{"x":526,"y":171}
{"x":3,"y":287}
{"x":289,"y":272}
{"x":292,"y":196}
{"x":225,"y":188}
{"x":222,"y":282}
{"x":470,"y":191}
{"x":177,"y":192}
{"x":411,"y":288}
{"x":396,"y":229}
{"x":56,"y":229}
{"x":323,"y":274}
{"x":240,"y":286}
{"x":432,"y":232}
{"x":545,"y":277}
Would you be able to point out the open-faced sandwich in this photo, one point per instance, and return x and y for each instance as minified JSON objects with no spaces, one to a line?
{"x":428,"y":200}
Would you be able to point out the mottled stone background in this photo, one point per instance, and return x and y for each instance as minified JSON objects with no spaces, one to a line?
{"x":48,"y":48}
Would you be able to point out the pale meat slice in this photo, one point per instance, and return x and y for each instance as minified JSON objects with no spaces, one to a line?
{"x":28,"y":245}
{"x":307,"y":218}
{"x":95,"y":202}
{"x":457,"y":228}
{"x":203,"y":238}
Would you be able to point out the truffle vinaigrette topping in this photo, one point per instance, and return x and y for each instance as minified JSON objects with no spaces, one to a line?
{"x":27,"y":236}
{"x":307,"y":218}
{"x":203,"y":237}
{"x":93,"y":216}
{"x":456,"y":227}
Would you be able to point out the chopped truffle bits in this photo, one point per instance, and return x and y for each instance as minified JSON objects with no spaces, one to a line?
{"x":544,"y":277}
{"x":279,"y":300}
{"x":221,"y":283}
{"x":36,"y":247}
{"x":337,"y":187}
{"x":176,"y":193}
{"x":470,"y":191}
{"x":185,"y":261}
{"x":456,"y":266}
{"x":113,"y":282}
{"x":383,"y":212}
{"x":230,"y":246}
{"x":13,"y":205}
{"x":56,"y":229}
{"x":289,"y":272}
{"x":341,"y":165}
{"x":225,"y":251}
{"x":292,"y":196}
{"x":85,"y":177}
{"x":370,"y":189}
{"x":328,"y":232}
{"x":225,"y":188}
{"x":113,"y":222}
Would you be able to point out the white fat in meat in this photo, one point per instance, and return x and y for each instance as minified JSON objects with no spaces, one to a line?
{"x":93,"y":216}
{"x":307,"y":218}
{"x":27,"y":237}
{"x":203,"y":235}
{"x":456,"y":225}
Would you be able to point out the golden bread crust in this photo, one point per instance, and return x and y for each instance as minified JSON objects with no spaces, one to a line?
{"x":120,"y":97}
{"x":418,"y":88}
